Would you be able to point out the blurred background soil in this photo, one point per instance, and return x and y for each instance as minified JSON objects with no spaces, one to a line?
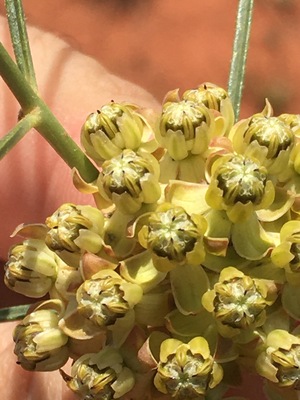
{"x":165,"y":44}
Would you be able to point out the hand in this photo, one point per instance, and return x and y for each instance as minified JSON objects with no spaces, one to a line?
{"x":35,"y":179}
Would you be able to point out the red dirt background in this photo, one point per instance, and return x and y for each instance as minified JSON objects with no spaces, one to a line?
{"x":165,"y":44}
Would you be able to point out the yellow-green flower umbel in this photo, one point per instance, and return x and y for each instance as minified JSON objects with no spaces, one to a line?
{"x":74,"y":228}
{"x":130,"y":180}
{"x":100,"y":376}
{"x":240,"y":186}
{"x":186,"y":370}
{"x":239,"y":302}
{"x":173,"y":237}
{"x":280,"y":361}
{"x":40,"y":344}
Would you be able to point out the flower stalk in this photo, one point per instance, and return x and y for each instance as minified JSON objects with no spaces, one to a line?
{"x":239,"y":55}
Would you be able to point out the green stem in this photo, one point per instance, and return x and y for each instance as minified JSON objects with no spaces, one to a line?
{"x":19,"y":38}
{"x":13,"y":313}
{"x":48,"y":125}
{"x":239,"y":56}
{"x":18,"y":132}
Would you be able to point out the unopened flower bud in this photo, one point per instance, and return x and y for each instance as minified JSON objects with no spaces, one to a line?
{"x":74,"y":228}
{"x":40,"y":344}
{"x":174,"y":237}
{"x":31,"y":268}
{"x":110,"y":130}
{"x":239,"y":185}
{"x":186,"y":370}
{"x":100,"y":376}
{"x":107,"y":297}
{"x":129,"y":180}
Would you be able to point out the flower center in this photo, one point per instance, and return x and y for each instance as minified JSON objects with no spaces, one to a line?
{"x":272,"y":133}
{"x":183,"y":116}
{"x":123,"y":173}
{"x":172,"y":233}
{"x":101,"y":301}
{"x":238,"y":303}
{"x":241,"y":180}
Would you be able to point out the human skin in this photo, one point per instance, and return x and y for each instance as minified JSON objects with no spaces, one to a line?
{"x":36,"y":181}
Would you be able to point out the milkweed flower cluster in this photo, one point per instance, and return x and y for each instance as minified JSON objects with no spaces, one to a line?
{"x":188,"y":266}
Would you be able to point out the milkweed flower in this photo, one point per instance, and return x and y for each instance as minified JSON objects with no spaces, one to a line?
{"x":111,"y":129}
{"x":239,"y":302}
{"x":239,"y":185}
{"x":31,"y":268}
{"x":75,"y":228}
{"x":215,"y":98}
{"x":130,"y":180}
{"x":267,"y":138}
{"x":100,"y":376}
{"x":280,"y":361}
{"x":186,"y":370}
{"x":40,"y":344}
{"x":106,"y":297}
{"x":287,"y":253}
{"x":174,"y":237}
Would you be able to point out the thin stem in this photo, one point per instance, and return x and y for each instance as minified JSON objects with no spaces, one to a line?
{"x":48,"y":125}
{"x":13,"y":313}
{"x":8,"y":141}
{"x":19,"y":38}
{"x":239,"y":56}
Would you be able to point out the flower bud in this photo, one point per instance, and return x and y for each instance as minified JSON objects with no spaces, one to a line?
{"x":107,"y":297}
{"x":239,"y":302}
{"x":239,"y":185}
{"x":110,"y":130}
{"x":40,"y":344}
{"x":100,"y":376}
{"x":74,"y":228}
{"x":31,"y":268}
{"x":280,"y":361}
{"x":129,"y":180}
{"x":174,"y":237}
{"x":186,"y":370}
